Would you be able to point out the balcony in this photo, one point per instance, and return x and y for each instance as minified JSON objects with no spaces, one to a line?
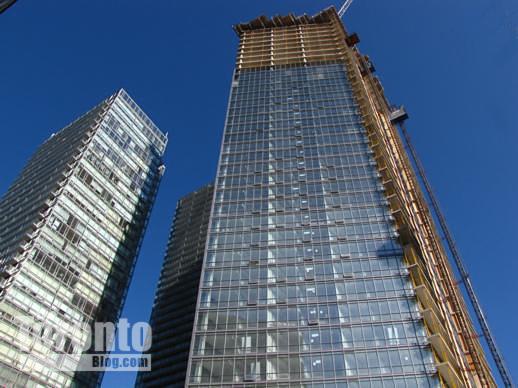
{"x":443,"y":350}
{"x":449,"y":375}
{"x":5,"y":282}
{"x":423,"y":289}
{"x":8,"y":271}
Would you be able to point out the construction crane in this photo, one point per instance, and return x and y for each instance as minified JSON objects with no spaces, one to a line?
{"x":399,"y":116}
{"x":344,"y":7}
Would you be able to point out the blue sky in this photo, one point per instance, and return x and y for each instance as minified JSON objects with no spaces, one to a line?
{"x":451,"y":63}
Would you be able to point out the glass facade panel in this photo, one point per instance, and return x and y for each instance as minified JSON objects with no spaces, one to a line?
{"x":304,"y":278}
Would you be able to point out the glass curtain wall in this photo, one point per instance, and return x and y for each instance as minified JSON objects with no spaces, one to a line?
{"x":303,"y":281}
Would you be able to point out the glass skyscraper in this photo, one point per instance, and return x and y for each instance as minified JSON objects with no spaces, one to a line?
{"x":175,"y":302}
{"x":322,"y":266}
{"x":70,"y":230}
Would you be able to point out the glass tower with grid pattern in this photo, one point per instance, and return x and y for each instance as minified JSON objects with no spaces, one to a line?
{"x":316,"y":272}
{"x":70,"y":230}
{"x":175,"y":301}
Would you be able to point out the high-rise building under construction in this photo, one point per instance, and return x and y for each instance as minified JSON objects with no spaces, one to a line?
{"x":322,"y":265}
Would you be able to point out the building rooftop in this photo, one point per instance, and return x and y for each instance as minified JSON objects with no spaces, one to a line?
{"x":159,"y":136}
{"x":325,"y":16}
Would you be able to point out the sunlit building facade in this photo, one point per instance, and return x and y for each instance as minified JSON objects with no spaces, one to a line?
{"x":70,"y":230}
{"x":317,"y":271}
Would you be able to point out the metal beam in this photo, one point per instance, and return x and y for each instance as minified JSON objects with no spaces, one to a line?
{"x":491,"y":343}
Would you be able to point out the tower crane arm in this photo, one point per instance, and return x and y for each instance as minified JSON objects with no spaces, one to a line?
{"x":344,"y":7}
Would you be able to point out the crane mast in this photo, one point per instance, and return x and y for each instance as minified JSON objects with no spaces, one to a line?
{"x":465,"y":279}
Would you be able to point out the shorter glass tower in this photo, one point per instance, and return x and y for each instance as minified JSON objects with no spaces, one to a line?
{"x":173,"y":312}
{"x":70,"y":230}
